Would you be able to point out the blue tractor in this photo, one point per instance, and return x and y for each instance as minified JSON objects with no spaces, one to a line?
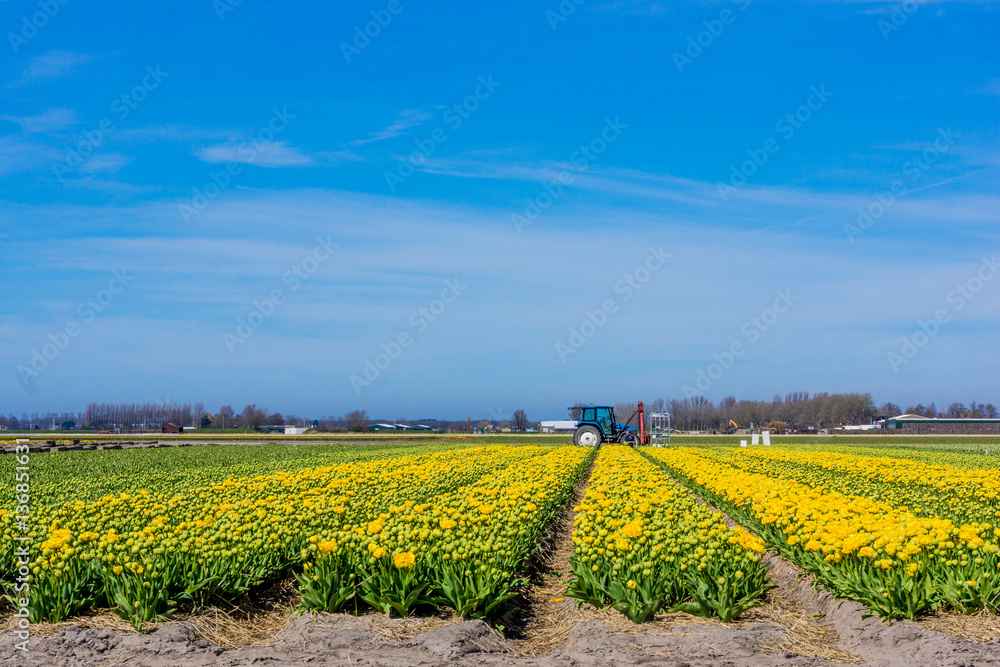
{"x":598,"y":425}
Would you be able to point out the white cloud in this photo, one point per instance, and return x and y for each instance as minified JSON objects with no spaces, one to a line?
{"x":176,"y":132}
{"x":634,"y":8}
{"x":18,"y":155}
{"x":117,"y":188}
{"x":260,"y":153}
{"x":54,"y":65}
{"x":190,"y":290}
{"x":47,"y":122}
{"x":404,"y":121}
{"x":341,"y":156}
{"x":108,"y":162}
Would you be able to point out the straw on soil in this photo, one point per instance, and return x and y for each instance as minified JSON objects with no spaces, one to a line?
{"x":401,"y":629}
{"x":983,"y":626}
{"x":546,"y":617}
{"x":253,"y":620}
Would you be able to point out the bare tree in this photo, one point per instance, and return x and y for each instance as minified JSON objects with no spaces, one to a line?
{"x":226,"y":417}
{"x":520,"y":420}
{"x":253,"y":417}
{"x":956,"y":410}
{"x":357,"y":420}
{"x":128,"y":416}
{"x":890,"y":410}
{"x":627,"y":411}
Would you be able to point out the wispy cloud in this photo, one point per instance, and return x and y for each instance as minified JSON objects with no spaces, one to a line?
{"x":992,"y":87}
{"x":364,"y":298}
{"x":404,"y":121}
{"x":113,"y":187}
{"x":177,"y":133}
{"x":260,"y":153}
{"x":54,"y":65}
{"x":633,"y":8}
{"x":47,"y":122}
{"x":623,"y":182}
{"x":340,"y":156}
{"x":700,"y":198}
{"x":19,"y":155}
{"x":105,"y":163}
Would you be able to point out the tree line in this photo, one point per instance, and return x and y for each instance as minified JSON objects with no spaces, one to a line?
{"x":142,"y":416}
{"x":107,"y":416}
{"x":794,"y":410}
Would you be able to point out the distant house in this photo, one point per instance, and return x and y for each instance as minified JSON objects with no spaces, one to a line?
{"x":171,"y":428}
{"x":388,"y":427}
{"x":295,"y":430}
{"x":384,"y":426}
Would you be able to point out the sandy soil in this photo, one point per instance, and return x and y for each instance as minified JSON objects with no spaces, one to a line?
{"x":367,"y":640}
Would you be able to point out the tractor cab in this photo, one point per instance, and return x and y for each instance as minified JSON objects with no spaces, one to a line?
{"x":598,"y":424}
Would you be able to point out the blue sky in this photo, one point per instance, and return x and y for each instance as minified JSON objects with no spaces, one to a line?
{"x":489,"y":208}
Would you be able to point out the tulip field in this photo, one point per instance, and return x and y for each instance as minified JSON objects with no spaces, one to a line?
{"x":902,"y":537}
{"x":400,"y":529}
{"x":461,"y":548}
{"x":393,"y":532}
{"x":642,"y":544}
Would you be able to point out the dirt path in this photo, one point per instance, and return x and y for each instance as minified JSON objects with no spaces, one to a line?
{"x":546,"y":616}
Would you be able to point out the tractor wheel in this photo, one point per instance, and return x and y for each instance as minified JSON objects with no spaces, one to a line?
{"x":627,"y":439}
{"x":587,"y":436}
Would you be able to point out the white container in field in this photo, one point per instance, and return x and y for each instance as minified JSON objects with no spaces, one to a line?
{"x":743,"y":443}
{"x":767,"y":438}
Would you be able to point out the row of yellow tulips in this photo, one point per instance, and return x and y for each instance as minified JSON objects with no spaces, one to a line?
{"x":462,"y":549}
{"x":642,"y":543}
{"x":143,"y":553}
{"x":899,"y":564}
